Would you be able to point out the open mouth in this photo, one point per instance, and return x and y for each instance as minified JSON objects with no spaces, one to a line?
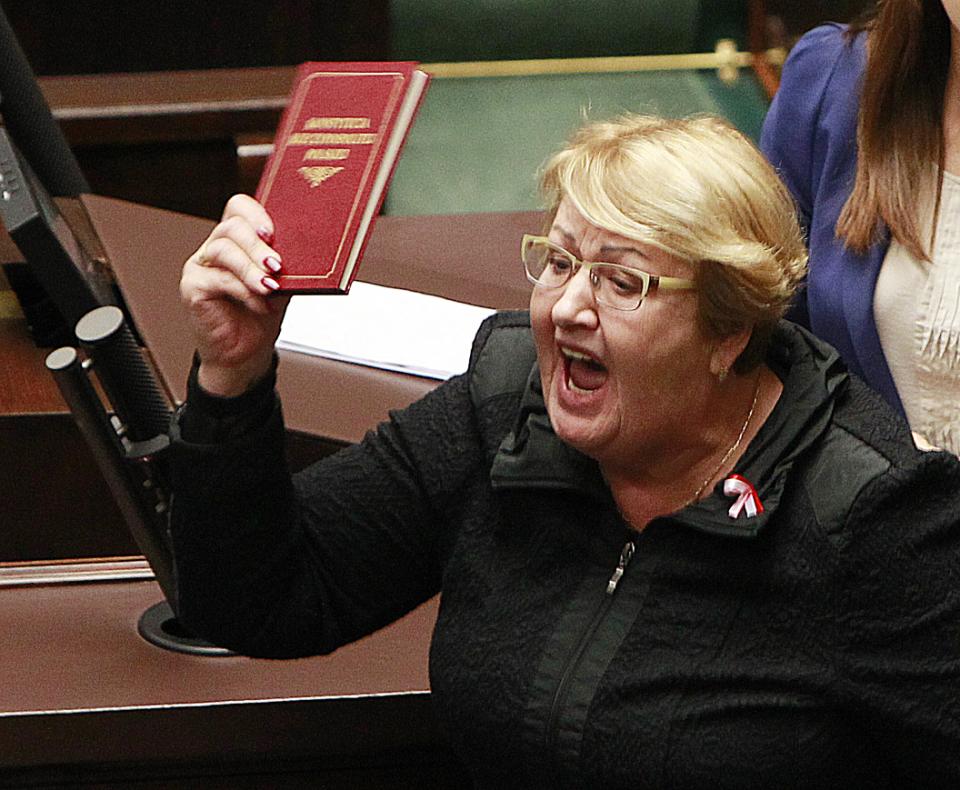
{"x":582,"y":372}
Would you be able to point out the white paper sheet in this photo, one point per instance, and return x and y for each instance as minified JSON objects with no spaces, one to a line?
{"x":386,"y":328}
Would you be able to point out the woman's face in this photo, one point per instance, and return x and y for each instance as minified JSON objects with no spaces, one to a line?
{"x":619,"y":386}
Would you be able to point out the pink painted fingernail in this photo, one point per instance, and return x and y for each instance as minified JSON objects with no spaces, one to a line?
{"x":272,"y":263}
{"x":266,"y":235}
{"x":270,"y":283}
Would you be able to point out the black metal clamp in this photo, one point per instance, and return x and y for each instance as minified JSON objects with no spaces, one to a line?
{"x":128,"y":446}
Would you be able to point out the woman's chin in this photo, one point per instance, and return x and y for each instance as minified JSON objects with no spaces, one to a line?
{"x":582,"y":419}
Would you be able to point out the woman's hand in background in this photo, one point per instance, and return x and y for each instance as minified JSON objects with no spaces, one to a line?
{"x":226,"y":287}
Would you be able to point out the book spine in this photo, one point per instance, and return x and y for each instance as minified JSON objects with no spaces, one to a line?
{"x":419,"y":81}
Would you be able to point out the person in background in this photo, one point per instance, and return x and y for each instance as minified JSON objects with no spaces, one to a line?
{"x":676,"y":545}
{"x":865,"y":130}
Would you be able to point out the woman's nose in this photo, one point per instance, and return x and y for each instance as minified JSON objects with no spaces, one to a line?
{"x":576,"y":303}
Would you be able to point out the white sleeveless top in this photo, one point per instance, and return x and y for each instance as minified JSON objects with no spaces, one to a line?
{"x":917,"y":310}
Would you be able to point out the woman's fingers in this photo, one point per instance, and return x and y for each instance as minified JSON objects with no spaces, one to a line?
{"x":252,"y":214}
{"x":241,"y":232}
{"x":224,"y":271}
{"x":223,"y":284}
{"x":246,"y":226}
{"x":236,"y":261}
{"x":249,"y":210}
{"x":225,"y":287}
{"x":257,"y":273}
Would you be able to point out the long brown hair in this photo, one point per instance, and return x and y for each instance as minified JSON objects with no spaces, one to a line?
{"x":899,"y":133}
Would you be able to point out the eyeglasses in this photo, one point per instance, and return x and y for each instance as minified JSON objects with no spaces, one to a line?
{"x":621,"y":287}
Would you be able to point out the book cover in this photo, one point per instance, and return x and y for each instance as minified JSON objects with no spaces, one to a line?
{"x":334,"y":153}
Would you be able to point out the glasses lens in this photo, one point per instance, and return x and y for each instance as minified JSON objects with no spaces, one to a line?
{"x":619,"y":287}
{"x":545,"y":264}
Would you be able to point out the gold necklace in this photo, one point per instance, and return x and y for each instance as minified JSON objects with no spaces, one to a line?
{"x":731,"y":450}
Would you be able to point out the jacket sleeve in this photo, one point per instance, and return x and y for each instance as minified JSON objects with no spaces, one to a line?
{"x":896,"y":619}
{"x":276,"y":565}
{"x":790,"y":129}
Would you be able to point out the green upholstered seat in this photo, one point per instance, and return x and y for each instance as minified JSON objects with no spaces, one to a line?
{"x":464,"y":30}
{"x":479,"y":142}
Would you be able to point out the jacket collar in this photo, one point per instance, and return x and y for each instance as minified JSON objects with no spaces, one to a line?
{"x":533,"y":457}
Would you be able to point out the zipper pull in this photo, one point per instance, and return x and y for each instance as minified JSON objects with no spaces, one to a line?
{"x":626,"y":554}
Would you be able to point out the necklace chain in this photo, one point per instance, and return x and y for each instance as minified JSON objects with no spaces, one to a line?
{"x":730,"y":450}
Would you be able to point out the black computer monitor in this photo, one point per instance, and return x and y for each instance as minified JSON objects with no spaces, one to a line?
{"x":60,"y":280}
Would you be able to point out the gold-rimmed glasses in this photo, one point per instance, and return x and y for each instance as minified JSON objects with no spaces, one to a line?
{"x":549,"y":265}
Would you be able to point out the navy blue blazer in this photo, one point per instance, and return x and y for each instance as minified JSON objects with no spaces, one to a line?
{"x":810,"y":136}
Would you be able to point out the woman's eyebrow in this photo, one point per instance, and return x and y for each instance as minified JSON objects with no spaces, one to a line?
{"x":613,"y":248}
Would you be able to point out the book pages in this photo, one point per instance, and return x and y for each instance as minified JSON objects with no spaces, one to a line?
{"x":386,"y":328}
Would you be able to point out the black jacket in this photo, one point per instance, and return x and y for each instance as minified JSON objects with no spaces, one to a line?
{"x":815,"y":645}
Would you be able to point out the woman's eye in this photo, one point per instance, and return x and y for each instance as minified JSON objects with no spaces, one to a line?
{"x":625,"y":284}
{"x":558,"y":263}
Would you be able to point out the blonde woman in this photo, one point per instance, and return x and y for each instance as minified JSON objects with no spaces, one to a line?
{"x":676,"y":544}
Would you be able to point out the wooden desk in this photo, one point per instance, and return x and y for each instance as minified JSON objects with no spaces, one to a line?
{"x":430,"y":254}
{"x":85,"y":700}
{"x":55,"y":502}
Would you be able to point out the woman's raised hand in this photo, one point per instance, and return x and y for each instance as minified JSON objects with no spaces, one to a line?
{"x":226,"y":287}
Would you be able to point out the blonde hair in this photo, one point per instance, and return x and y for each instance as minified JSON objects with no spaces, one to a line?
{"x":701,"y":191}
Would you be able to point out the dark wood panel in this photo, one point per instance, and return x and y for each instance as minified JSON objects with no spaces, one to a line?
{"x":99,"y":36}
{"x":209,"y":104}
{"x":787,"y":20}
{"x":24,"y":385}
{"x":87,"y":702}
{"x":193,"y":178}
{"x":404,"y":252}
{"x":169,"y":139}
{"x":139,"y":146}
{"x":55,"y":503}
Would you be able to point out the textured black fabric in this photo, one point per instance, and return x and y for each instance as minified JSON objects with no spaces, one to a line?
{"x":206,"y":419}
{"x":817,"y":645}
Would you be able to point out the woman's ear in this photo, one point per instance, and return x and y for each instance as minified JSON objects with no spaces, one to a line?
{"x":726,"y":352}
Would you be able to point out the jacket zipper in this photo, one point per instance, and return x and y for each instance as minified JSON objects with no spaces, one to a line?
{"x":559,"y":696}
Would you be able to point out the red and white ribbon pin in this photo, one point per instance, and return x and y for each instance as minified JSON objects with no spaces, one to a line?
{"x":746,"y":494}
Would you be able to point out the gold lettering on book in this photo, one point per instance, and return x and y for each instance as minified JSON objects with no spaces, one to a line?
{"x":337,"y":123}
{"x":333,"y":138}
{"x":326,"y":153}
{"x":315,"y":176}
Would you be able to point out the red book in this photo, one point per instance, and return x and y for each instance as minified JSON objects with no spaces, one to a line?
{"x":336,"y":147}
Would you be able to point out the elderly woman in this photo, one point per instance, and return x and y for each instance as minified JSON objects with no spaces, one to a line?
{"x":677,"y":544}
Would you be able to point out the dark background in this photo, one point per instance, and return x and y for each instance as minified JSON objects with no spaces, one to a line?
{"x":99,"y":36}
{"x":102,"y":37}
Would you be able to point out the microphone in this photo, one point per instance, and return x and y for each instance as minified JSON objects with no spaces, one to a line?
{"x":129,"y":450}
{"x":141,"y":502}
{"x":127,"y":380}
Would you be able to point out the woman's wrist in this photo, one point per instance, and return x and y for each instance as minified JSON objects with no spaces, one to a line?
{"x":210,"y":418}
{"x":233,"y":381}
